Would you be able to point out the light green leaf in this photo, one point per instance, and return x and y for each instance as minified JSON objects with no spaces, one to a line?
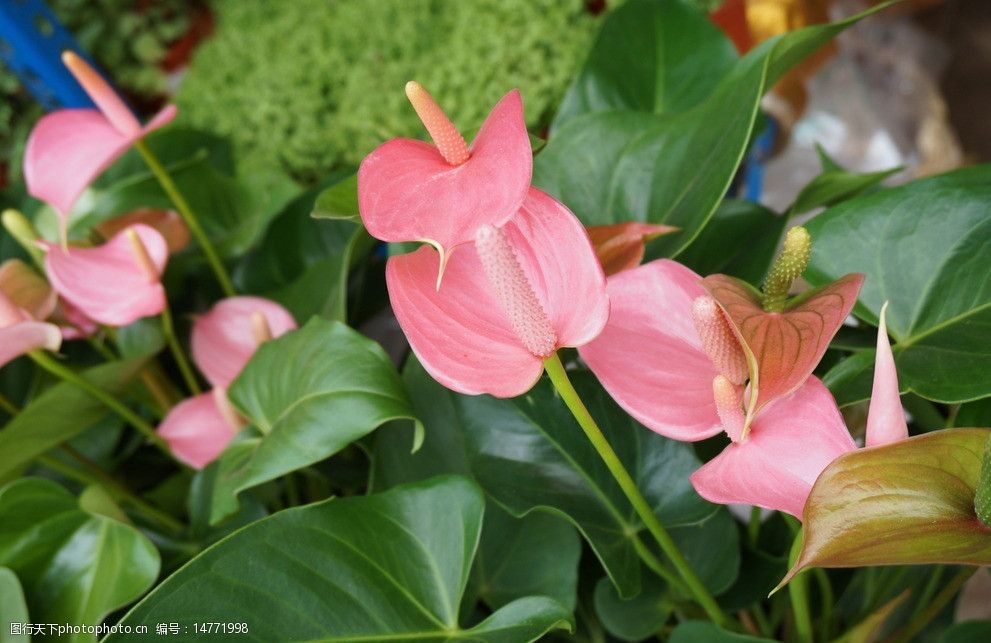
{"x":75,"y":566}
{"x":924,"y":248}
{"x":909,"y":502}
{"x":309,"y":394}
{"x":835,"y":185}
{"x":13,"y":609}
{"x":60,"y":413}
{"x":386,"y":567}
{"x":620,"y":165}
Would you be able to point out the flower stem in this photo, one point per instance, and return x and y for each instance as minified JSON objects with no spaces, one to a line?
{"x":172,"y":190}
{"x":43,"y":360}
{"x":798,"y":591}
{"x":168,"y":330}
{"x":559,"y":378}
{"x":7,"y":405}
{"x":921,"y":619}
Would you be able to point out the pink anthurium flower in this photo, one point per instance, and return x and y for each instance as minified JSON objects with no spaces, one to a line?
{"x":197,"y":430}
{"x":621,"y":246}
{"x":27,"y":289}
{"x":69,"y":148}
{"x":113,"y":284}
{"x":226,"y":337}
{"x":440,"y":194}
{"x":508,"y":301}
{"x":20,"y":330}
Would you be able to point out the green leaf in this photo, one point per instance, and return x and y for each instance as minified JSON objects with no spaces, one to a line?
{"x":339,"y":201}
{"x":528,"y":453}
{"x":536,"y":555}
{"x":659,"y":57}
{"x":386,"y":567}
{"x":620,"y":165}
{"x":740,"y":241}
{"x":976,"y":413}
{"x":60,"y":413}
{"x":13,"y":609}
{"x":637,"y":618}
{"x":835,"y":185}
{"x":924,"y":249}
{"x":303,"y":263}
{"x":968,"y":632}
{"x":702,"y":632}
{"x":75,"y":566}
{"x":909,"y":502}
{"x":982,"y":499}
{"x":309,"y":394}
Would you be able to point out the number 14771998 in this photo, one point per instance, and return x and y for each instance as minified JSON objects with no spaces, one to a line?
{"x":220,"y":628}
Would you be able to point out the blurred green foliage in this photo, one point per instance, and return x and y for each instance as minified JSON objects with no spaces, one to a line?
{"x":311,"y":85}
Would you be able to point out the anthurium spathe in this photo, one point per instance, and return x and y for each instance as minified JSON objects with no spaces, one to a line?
{"x":440,"y":194}
{"x":113,"y":284}
{"x":198,"y":429}
{"x":20,"y":332}
{"x":226,"y":337}
{"x":508,"y":301}
{"x":69,"y":148}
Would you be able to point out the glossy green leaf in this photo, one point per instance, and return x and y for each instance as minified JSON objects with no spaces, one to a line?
{"x":835,"y":185}
{"x":13,"y":609}
{"x":620,"y":165}
{"x":740,"y":241}
{"x":339,"y":201}
{"x":924,"y":248}
{"x":909,"y":502}
{"x":650,"y":56}
{"x":302,"y":262}
{"x":75,"y":566}
{"x":309,"y":394}
{"x":702,"y":632}
{"x":976,"y":413}
{"x":60,"y":413}
{"x":529,"y":453}
{"x":536,"y":555}
{"x":387,"y":567}
{"x":637,"y":618}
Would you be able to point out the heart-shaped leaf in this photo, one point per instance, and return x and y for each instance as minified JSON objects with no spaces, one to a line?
{"x":309,"y":394}
{"x":909,"y":502}
{"x":387,"y":567}
{"x":13,"y":609}
{"x":620,"y":165}
{"x":635,"y":619}
{"x":528,"y":453}
{"x":650,"y":56}
{"x":60,"y":413}
{"x":75,"y":566}
{"x":937,"y":282}
{"x":784,"y":348}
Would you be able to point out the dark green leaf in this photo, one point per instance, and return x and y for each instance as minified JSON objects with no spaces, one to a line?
{"x":924,"y":248}
{"x":309,"y":394}
{"x":976,"y":413}
{"x":635,"y":619}
{"x":650,"y":56}
{"x":386,"y":567}
{"x":75,"y":566}
{"x":617,"y":166}
{"x":339,"y":201}
{"x":13,"y":609}
{"x":909,"y":502}
{"x":701,"y":632}
{"x":969,"y":632}
{"x":60,"y":413}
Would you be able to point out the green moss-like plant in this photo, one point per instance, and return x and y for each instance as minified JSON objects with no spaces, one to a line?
{"x":312,"y":85}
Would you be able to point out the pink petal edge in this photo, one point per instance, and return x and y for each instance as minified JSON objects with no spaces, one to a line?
{"x":24,"y":337}
{"x":196,"y":430}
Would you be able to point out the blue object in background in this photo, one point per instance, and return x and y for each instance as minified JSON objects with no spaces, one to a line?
{"x":753,"y":170}
{"x":31,"y":44}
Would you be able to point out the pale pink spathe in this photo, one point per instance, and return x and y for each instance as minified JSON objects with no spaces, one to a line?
{"x":649,"y":356}
{"x":196,"y":429}
{"x":461,"y":332}
{"x":223,"y":339}
{"x":69,"y":148}
{"x":792,"y":440}
{"x":20,"y":334}
{"x":408,"y":192}
{"x":107,"y":283}
{"x":885,"y":417}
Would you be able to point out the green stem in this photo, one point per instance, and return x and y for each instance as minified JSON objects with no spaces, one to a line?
{"x":655,"y":565}
{"x":753,"y":527}
{"x":559,"y":377}
{"x":168,"y":330}
{"x":798,"y":591}
{"x":827,"y":598}
{"x":7,"y":405}
{"x":172,"y":190}
{"x":43,"y":360}
{"x":116,"y":489}
{"x":921,"y":619}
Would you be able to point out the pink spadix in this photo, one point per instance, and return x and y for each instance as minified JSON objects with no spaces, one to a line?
{"x":515,"y":294}
{"x":69,"y":148}
{"x":718,"y":340}
{"x":446,"y":137}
